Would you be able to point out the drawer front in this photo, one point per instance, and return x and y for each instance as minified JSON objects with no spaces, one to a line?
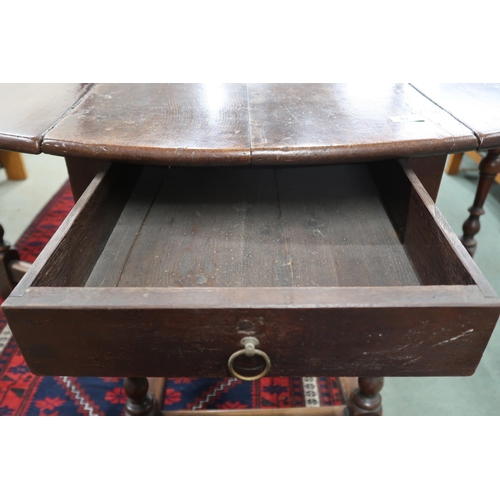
{"x":385,"y":338}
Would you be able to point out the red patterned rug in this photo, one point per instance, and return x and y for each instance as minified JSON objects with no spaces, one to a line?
{"x":22,"y":393}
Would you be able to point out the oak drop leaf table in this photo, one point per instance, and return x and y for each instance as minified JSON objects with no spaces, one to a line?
{"x":286,"y":229}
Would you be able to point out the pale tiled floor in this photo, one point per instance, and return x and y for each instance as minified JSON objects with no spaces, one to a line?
{"x":477,"y":395}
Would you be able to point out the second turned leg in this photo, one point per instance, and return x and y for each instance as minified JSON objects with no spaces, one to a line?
{"x":488,"y":169}
{"x":8,"y":255}
{"x":156,"y":390}
{"x":139,"y":402}
{"x":366,"y":400}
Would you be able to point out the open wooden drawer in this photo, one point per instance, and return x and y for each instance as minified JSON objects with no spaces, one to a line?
{"x":346,"y":270}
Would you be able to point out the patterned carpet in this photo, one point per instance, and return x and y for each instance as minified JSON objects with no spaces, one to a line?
{"x":22,"y":393}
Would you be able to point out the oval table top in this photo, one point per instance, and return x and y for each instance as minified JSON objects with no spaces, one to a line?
{"x":242,"y":124}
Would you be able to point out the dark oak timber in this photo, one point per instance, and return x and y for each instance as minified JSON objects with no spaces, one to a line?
{"x":334,"y":123}
{"x":18,"y":269}
{"x":139,"y":402}
{"x":322,"y":411}
{"x":86,"y":245}
{"x":262,"y":124}
{"x":392,"y":331}
{"x":429,"y":170}
{"x":81,"y":172}
{"x":366,"y":400}
{"x":422,"y":228}
{"x":181,"y":124}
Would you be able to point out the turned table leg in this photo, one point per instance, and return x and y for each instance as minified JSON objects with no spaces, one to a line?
{"x":366,"y":400}
{"x":11,"y":268}
{"x":5,"y":284}
{"x":8,"y":255}
{"x":488,"y":169}
{"x":139,"y":401}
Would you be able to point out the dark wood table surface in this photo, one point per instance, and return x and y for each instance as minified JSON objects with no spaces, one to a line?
{"x":235,"y":124}
{"x":209,"y":124}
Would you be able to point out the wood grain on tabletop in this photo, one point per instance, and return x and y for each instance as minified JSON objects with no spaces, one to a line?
{"x":476,"y":105}
{"x":186,"y":124}
{"x":28,"y":110}
{"x":323,"y":123}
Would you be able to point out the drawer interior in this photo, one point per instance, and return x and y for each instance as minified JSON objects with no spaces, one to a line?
{"x":354,"y":225}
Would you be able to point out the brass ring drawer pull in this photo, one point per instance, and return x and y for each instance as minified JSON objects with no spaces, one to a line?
{"x":249,"y":350}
